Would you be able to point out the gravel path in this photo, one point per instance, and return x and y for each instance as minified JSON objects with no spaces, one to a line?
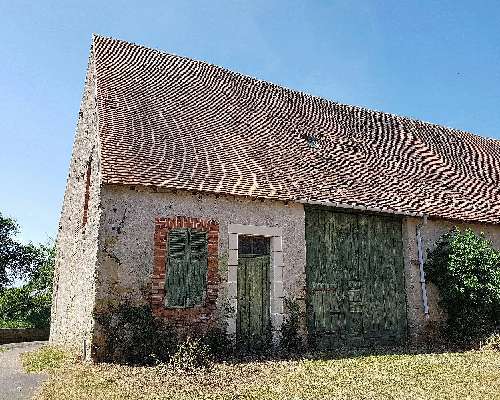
{"x":16,"y":384}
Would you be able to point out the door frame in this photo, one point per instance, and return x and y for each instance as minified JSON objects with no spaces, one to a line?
{"x":276,"y":274}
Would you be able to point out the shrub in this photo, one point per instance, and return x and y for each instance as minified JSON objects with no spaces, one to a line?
{"x":191,"y":355}
{"x":133,"y":335}
{"x":16,"y":324}
{"x":290,"y":338}
{"x":217,"y":342}
{"x":466,"y":270}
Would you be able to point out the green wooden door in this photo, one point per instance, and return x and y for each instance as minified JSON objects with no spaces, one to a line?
{"x":355,"y":278}
{"x":253,"y":317}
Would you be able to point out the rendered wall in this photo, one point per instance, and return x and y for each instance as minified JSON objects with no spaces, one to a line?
{"x":126,"y":246}
{"x":76,"y":244}
{"x":126,"y":239}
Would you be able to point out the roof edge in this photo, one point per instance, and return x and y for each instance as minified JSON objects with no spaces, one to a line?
{"x":345,"y":206}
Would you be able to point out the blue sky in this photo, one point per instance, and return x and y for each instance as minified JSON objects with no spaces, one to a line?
{"x":433,"y":60}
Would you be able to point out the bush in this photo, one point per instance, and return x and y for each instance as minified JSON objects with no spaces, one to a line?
{"x":134,"y":336}
{"x":218,"y":343}
{"x":466,"y":270}
{"x":191,"y":355}
{"x":25,"y":307}
{"x":13,"y":324}
{"x":290,"y":338}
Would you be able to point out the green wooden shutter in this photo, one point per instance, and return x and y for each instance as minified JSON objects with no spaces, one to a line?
{"x":187,"y":266}
{"x":198,"y":267}
{"x":176,"y":267}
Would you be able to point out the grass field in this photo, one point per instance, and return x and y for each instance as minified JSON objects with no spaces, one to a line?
{"x":468,"y":375}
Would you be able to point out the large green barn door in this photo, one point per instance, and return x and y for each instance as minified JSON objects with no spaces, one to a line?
{"x":253,"y":316}
{"x":355,"y":278}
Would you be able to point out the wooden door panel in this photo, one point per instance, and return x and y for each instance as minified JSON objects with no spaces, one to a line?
{"x":253,"y":316}
{"x":354,"y":273}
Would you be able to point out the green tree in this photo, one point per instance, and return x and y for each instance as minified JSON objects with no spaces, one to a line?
{"x":28,"y":305}
{"x":17,"y":260}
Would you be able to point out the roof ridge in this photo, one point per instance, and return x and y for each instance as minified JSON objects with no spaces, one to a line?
{"x":329,"y":102}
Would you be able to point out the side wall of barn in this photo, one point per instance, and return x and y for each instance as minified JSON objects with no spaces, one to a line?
{"x":77,"y":238}
{"x":134,"y":223}
{"x":135,"y":219}
{"x":422,"y":327}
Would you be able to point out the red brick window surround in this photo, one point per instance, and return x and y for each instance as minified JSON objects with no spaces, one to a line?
{"x":196,"y":314}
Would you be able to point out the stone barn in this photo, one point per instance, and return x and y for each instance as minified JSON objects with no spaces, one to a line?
{"x":213,"y":197}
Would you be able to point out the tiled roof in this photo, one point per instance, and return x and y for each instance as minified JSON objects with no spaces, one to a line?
{"x":169,"y":121}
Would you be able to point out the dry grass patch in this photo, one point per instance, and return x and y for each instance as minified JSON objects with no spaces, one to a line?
{"x":471,"y":375}
{"x":46,"y":358}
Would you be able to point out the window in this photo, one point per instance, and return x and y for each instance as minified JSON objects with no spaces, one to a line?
{"x":253,"y":246}
{"x":187,"y":266}
{"x":87,"y":193}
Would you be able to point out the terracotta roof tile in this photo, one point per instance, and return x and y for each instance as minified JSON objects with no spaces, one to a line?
{"x":170,"y":121}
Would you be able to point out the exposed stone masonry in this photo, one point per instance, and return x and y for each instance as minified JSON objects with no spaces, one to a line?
{"x":77,"y":238}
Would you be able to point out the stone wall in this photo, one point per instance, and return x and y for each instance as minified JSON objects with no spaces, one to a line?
{"x":23,"y":335}
{"x":126,"y":239}
{"x":421,"y":327}
{"x":77,"y":238}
